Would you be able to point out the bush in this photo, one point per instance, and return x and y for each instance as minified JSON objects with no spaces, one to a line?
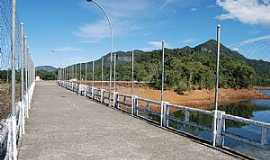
{"x":181,"y":87}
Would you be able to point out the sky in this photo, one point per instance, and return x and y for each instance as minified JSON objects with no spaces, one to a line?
{"x":64,"y":32}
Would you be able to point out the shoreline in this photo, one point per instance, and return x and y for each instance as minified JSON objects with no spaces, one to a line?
{"x":202,"y":99}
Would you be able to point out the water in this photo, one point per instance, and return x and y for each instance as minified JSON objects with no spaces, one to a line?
{"x":200,"y":125}
{"x":256,"y":109}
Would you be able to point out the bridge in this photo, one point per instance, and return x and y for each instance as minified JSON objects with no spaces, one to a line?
{"x":72,"y":118}
{"x":66,"y":126}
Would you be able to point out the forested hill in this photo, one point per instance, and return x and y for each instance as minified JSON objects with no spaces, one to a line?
{"x":191,"y":68}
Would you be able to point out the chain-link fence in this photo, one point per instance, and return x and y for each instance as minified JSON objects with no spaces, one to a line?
{"x":16,"y":79}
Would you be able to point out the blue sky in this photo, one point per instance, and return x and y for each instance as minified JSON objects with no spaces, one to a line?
{"x":76,"y":31}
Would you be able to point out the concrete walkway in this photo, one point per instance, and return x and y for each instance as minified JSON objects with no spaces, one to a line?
{"x":64,"y":126}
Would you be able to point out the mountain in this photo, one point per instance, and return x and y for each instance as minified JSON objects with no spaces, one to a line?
{"x":187,"y":68}
{"x":262,"y":69}
{"x":46,"y":68}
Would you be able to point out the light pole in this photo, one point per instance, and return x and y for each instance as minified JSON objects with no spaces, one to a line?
{"x":111,"y":29}
{"x":217,"y":86}
{"x":102,"y":63}
{"x":162,"y":78}
{"x":132,"y":72}
{"x":93,"y":74}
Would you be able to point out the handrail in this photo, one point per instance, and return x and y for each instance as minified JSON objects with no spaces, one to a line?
{"x":163,"y":116}
{"x":247,"y":121}
{"x":21,"y":113}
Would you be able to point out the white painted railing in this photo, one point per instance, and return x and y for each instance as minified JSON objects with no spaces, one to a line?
{"x":194,"y":122}
{"x":7,"y":127}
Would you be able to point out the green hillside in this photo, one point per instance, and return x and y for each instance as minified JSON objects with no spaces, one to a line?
{"x":187,"y":68}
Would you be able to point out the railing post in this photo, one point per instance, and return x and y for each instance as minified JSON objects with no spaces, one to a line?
{"x":264,"y":136}
{"x":79,"y":89}
{"x":167,"y":115}
{"x":23,"y":116}
{"x":115,"y":100}
{"x":101,"y":95}
{"x":220,"y":127}
{"x":163,"y":114}
{"x":82,"y":89}
{"x":187,"y":115}
{"x":72,"y":86}
{"x":134,"y":105}
{"x":21,"y":120}
{"x":85,"y":91}
{"x":92,"y":92}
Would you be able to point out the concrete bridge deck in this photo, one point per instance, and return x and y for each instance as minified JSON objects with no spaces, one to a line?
{"x":64,"y":126}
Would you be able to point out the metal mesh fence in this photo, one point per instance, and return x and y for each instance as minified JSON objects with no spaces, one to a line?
{"x":22,"y":60}
{"x":5,"y":57}
{"x":17,"y":74}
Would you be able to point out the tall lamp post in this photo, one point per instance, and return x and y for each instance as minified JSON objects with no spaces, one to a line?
{"x":111,"y":29}
{"x":217,"y":86}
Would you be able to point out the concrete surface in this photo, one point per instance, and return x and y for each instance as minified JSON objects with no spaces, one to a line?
{"x":64,"y":126}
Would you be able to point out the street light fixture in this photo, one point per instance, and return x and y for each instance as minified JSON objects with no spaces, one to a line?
{"x":111,"y":29}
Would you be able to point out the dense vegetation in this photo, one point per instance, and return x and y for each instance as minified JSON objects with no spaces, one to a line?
{"x":47,"y":75}
{"x":186,"y":68}
{"x":46,"y":72}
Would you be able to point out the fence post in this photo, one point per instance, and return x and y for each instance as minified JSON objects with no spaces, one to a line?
{"x":115,"y":99}
{"x":85,"y":90}
{"x":134,"y":105}
{"x":163,"y":113}
{"x":72,"y":86}
{"x":81,"y":89}
{"x":92,"y":92}
{"x":264,"y":136}
{"x":101,"y":95}
{"x":21,"y":120}
{"x":167,"y":115}
{"x":187,"y":115}
{"x":220,"y":123}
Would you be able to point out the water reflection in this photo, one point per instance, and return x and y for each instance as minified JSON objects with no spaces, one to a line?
{"x":256,"y":109}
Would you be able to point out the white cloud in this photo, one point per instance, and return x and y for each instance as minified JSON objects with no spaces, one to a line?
{"x":96,"y":31}
{"x":93,"y":32}
{"x":254,"y":40}
{"x":236,"y":49}
{"x":193,"y":9}
{"x":66,"y":49}
{"x":123,"y":13}
{"x":166,"y":2}
{"x":246,"y":11}
{"x":182,"y":3}
{"x":158,"y":44}
{"x":122,"y":8}
{"x":190,"y":42}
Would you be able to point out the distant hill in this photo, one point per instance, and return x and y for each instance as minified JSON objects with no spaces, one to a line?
{"x":187,"y":68}
{"x":46,"y":68}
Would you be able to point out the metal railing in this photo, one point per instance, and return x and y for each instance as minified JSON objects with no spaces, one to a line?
{"x":22,"y":112}
{"x":194,"y":122}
